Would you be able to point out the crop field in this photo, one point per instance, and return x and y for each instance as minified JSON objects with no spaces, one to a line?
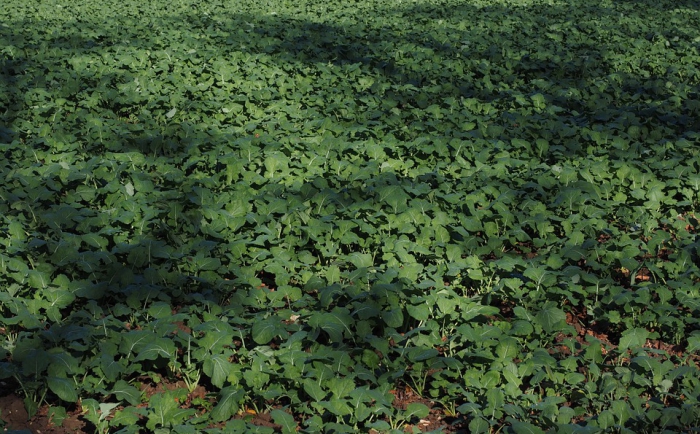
{"x":377,"y":216}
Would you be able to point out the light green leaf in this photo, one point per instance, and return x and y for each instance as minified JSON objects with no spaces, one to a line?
{"x":633,"y":338}
{"x":284,"y":419}
{"x":416,"y":409}
{"x":360,"y":260}
{"x":338,"y":407}
{"x":420,"y":312}
{"x":693,"y":343}
{"x":218,"y":368}
{"x":314,"y":390}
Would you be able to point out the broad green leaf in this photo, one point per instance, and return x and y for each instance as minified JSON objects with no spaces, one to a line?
{"x":417,"y":410}
{"x":128,"y":416}
{"x":421,"y":354}
{"x":490,"y":380}
{"x":525,"y":428}
{"x":551,"y":318}
{"x":34,"y":362}
{"x":411,"y":271}
{"x":507,"y":348}
{"x":160,"y":309}
{"x":265,"y":330}
{"x":64,"y":388}
{"x":205,"y":263}
{"x":214,"y":341}
{"x":338,"y":407}
{"x":109,"y":367}
{"x":285,"y":420}
{"x":39,"y":280}
{"x":217,"y":368}
{"x":420,"y":312}
{"x":95,"y":240}
{"x":340,"y":387}
{"x":62,"y":364}
{"x":494,"y":401}
{"x":161,"y":408}
{"x":633,"y":338}
{"x":361,"y":260}
{"x":57,"y":415}
{"x":693,"y":343}
{"x":314,"y":390}
{"x":333,"y":274}
{"x":479,"y":425}
{"x":158,"y":347}
{"x":336,"y":323}
{"x":393,"y":318}
{"x":124,"y":391}
{"x":227,"y":403}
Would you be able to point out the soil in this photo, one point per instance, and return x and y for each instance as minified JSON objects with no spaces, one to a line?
{"x":16,"y":421}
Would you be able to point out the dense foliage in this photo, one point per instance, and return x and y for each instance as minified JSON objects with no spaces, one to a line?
{"x":301,"y":207}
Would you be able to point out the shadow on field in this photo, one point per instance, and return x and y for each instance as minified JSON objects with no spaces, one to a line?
{"x":122,"y":109}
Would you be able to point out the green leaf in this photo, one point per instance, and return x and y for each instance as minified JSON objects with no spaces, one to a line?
{"x":693,"y":343}
{"x":361,"y":260}
{"x":265,"y":330}
{"x":135,"y":340}
{"x":56,"y":415}
{"x":335,"y":323}
{"x":421,"y":354}
{"x":285,"y":420}
{"x":110,"y":368}
{"x":420,"y":312}
{"x":63,"y":388}
{"x":479,"y":425}
{"x":218,"y":368}
{"x":95,"y":240}
{"x":314,"y":390}
{"x":525,"y":428}
{"x":341,"y":387}
{"x":417,"y":410}
{"x":31,"y":406}
{"x":159,"y":406}
{"x":158,"y":347}
{"x":206,"y":263}
{"x":633,"y":338}
{"x":393,"y":318}
{"x":128,"y":416}
{"x":124,"y":391}
{"x":338,"y":407}
{"x":507,"y":348}
{"x":160,"y":309}
{"x":551,"y":318}
{"x":228,"y":403}
{"x":34,"y":362}
{"x":38,"y":280}
{"x":214,"y":341}
{"x":62,"y":364}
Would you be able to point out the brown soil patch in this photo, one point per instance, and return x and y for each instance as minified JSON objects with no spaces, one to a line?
{"x":15,"y":417}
